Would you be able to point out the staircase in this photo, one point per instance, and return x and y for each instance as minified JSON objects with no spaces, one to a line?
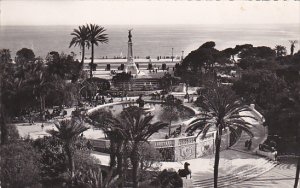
{"x":140,"y":84}
{"x":234,"y":178}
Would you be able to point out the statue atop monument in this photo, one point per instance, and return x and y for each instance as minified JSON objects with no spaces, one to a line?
{"x":129,"y":35}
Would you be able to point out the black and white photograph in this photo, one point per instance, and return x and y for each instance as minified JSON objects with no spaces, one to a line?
{"x":149,"y":94}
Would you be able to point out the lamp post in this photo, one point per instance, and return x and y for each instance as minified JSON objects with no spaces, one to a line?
{"x":172,"y":54}
{"x":182,"y":54}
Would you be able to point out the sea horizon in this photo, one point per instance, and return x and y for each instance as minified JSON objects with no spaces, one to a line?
{"x":148,"y":40}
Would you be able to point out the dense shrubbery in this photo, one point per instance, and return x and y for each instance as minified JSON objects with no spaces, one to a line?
{"x":53,"y":160}
{"x":20,"y":165}
{"x":122,"y":77}
{"x":33,"y":84}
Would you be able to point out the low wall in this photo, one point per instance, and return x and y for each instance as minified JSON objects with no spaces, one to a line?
{"x":269,"y":155}
{"x":180,"y":149}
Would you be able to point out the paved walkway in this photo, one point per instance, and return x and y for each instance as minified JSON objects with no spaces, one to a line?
{"x":257,"y":129}
{"x":283,"y":175}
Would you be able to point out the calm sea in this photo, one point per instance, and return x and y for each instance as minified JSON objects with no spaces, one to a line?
{"x":148,"y":40}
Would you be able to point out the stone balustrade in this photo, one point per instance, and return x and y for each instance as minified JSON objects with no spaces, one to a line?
{"x":182,"y":148}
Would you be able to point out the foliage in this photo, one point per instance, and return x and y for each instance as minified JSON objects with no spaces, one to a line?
{"x":115,"y":132}
{"x":149,"y":161}
{"x":63,"y":66}
{"x":91,"y":86}
{"x":167,"y":81}
{"x":127,"y":133}
{"x":88,"y":171}
{"x":54,"y":164}
{"x":139,"y":127}
{"x":204,"y":56}
{"x":122,"y":77}
{"x":256,"y":57}
{"x":34,"y":85}
{"x":68,"y":132}
{"x":260,"y":52}
{"x":13,"y":134}
{"x":167,"y":179}
{"x":25,"y":55}
{"x":280,"y":50}
{"x":172,"y":110}
{"x":53,"y":161}
{"x":202,"y":61}
{"x":5,"y":72}
{"x":102,"y":84}
{"x":261,"y":86}
{"x":19,"y":165}
{"x":268,"y":91}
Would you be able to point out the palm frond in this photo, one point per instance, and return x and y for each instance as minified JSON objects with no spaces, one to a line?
{"x":196,"y":125}
{"x":245,"y":129}
{"x":205,"y":130}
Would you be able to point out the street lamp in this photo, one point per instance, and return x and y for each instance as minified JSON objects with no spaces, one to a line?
{"x":172,"y":55}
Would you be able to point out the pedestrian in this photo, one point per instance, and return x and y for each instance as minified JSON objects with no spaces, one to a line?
{"x":42,"y":126}
{"x":246,"y":143}
{"x":249,"y":144}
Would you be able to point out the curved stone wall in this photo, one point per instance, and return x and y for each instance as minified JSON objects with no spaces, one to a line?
{"x":178,"y":149}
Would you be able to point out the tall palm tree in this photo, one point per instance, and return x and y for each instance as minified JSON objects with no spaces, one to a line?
{"x":96,"y":36}
{"x":68,"y":131}
{"x":298,"y":155}
{"x":293,"y":42}
{"x":81,"y":38}
{"x":115,"y":132}
{"x":139,"y":127}
{"x":298,"y":165}
{"x":220,"y":109}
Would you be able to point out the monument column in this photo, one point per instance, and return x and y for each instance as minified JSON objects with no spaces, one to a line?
{"x":130,"y":66}
{"x":130,"y":52}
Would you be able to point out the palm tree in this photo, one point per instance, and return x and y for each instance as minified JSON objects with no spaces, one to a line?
{"x":68,"y":131}
{"x":297,"y":171}
{"x":220,"y":109}
{"x":293,"y":42}
{"x":126,"y":133}
{"x":139,"y":127}
{"x":298,"y":155}
{"x":96,"y":35}
{"x":81,"y":39}
{"x":115,"y":132}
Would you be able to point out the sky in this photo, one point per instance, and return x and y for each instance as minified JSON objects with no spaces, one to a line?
{"x":72,"y":12}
